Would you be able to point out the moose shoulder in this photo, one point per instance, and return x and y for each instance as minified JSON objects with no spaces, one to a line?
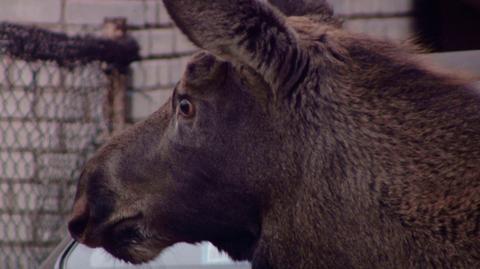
{"x":294,"y":144}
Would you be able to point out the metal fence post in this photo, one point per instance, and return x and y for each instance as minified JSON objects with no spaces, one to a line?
{"x":118,"y":76}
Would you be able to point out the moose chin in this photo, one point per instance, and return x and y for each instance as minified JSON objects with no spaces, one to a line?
{"x":294,"y":144}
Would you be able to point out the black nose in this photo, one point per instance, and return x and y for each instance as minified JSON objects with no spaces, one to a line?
{"x":93,"y":207}
{"x":79,"y":220}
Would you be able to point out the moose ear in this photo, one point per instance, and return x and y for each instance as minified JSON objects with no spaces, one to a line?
{"x":244,"y":32}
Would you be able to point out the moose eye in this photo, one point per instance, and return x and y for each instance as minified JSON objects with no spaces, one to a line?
{"x":186,"y":108}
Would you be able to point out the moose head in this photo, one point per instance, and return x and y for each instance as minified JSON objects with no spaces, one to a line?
{"x":291,"y":143}
{"x":193,"y":171}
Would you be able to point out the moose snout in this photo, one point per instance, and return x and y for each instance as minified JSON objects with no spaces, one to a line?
{"x":92,"y":209}
{"x":79,"y":219}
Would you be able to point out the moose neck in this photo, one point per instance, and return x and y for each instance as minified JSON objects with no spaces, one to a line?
{"x":364,"y":167}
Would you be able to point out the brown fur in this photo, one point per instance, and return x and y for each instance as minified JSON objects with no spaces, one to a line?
{"x":311,"y":147}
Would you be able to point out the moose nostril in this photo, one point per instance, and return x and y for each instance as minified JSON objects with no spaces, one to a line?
{"x":80,"y":218}
{"x":77,"y":226}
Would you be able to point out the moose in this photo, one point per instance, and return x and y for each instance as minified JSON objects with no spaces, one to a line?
{"x":293,"y":144}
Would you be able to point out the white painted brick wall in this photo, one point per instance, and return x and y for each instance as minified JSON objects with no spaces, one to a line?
{"x":182,"y":44}
{"x":150,"y":74}
{"x":35,"y":11}
{"x":163,"y":42}
{"x":153,"y":82}
{"x":395,"y":29}
{"x":162,"y":15}
{"x":94,"y":11}
{"x":145,"y":103}
{"x":351,"y":7}
{"x":161,"y":73}
{"x":160,"y":42}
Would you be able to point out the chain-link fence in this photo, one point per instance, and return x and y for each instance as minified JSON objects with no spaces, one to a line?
{"x":56,"y":96}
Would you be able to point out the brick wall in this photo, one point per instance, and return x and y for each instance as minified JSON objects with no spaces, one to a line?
{"x":391,"y":19}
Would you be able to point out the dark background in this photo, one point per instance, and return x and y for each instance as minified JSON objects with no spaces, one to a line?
{"x":448,"y":25}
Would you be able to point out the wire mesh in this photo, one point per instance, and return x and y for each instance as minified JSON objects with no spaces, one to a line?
{"x":52,"y":117}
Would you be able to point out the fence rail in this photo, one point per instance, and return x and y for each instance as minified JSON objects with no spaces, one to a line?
{"x":59,"y":97}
